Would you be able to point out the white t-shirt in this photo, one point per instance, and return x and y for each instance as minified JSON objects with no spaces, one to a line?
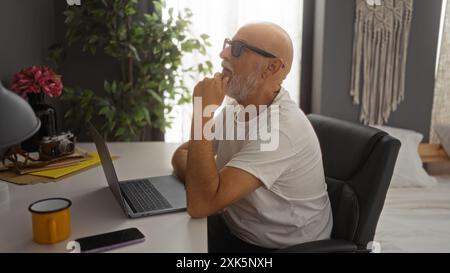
{"x":293,"y":206}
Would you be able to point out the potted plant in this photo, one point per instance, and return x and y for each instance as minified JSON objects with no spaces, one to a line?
{"x":149,"y":51}
{"x":36,"y":83}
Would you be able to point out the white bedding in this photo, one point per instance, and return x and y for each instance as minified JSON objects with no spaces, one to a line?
{"x":416,"y":219}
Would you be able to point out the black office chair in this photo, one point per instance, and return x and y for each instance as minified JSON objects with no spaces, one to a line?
{"x":358,"y":163}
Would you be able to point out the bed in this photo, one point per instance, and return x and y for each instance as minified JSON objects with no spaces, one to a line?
{"x":416,"y":213}
{"x":416,"y":219}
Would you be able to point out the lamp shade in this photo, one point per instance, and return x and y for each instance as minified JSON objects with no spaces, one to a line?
{"x":17,"y":119}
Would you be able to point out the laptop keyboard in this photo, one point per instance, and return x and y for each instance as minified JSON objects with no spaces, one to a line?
{"x":142,"y":196}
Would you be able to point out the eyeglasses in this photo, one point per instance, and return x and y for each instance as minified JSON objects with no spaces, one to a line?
{"x":237,"y":47}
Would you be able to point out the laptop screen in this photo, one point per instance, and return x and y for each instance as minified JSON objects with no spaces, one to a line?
{"x":107,"y":164}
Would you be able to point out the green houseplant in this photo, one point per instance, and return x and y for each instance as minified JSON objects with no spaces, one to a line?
{"x":149,"y":51}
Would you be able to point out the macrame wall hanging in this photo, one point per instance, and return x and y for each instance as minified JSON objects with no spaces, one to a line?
{"x":379,"y":57}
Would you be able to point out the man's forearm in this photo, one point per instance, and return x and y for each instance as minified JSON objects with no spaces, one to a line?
{"x":202,"y":177}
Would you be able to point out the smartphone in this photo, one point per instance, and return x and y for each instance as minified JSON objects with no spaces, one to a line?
{"x":110,"y":240}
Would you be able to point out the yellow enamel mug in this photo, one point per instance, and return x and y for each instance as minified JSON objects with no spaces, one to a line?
{"x":51,"y":220}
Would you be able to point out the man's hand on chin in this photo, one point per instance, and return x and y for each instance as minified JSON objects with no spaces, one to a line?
{"x":212,"y":90}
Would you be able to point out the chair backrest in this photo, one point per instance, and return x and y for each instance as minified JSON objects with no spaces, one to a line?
{"x":358,"y":164}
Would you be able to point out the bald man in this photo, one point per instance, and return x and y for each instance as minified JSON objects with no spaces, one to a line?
{"x":256,"y":200}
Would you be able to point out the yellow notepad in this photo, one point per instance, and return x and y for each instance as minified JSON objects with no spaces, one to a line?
{"x":59,"y":172}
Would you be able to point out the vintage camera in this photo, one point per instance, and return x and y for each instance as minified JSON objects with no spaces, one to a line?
{"x":56,"y":146}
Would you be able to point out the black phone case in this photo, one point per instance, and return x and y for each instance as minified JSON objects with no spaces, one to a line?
{"x":111,"y":240}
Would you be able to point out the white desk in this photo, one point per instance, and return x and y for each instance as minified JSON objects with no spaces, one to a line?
{"x":94,"y":209}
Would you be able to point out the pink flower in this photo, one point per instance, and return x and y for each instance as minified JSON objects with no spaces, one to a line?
{"x":37,"y":79}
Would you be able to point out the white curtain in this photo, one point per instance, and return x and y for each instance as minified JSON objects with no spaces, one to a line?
{"x":441,"y":107}
{"x":220,"y":19}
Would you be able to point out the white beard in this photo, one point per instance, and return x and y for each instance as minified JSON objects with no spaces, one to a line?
{"x":240,"y":88}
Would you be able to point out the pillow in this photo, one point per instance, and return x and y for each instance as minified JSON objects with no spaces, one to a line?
{"x":408,"y":171}
{"x":443,"y":132}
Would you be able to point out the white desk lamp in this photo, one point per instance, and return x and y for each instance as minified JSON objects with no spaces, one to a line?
{"x":17,"y":119}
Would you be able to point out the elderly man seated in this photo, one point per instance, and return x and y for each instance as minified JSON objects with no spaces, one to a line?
{"x":259,"y":194}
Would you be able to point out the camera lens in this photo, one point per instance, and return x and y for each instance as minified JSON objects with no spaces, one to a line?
{"x":66,"y":146}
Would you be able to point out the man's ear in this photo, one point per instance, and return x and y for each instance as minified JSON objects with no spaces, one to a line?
{"x":274,"y":66}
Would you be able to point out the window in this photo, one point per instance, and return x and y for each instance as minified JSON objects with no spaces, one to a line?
{"x":441,"y":106}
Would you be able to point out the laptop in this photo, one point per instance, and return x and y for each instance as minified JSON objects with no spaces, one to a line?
{"x":144,"y":196}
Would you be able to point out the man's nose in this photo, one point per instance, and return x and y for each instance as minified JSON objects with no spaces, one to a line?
{"x":225,"y":54}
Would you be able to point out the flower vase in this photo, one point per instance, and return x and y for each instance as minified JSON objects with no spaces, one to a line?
{"x":47,"y":116}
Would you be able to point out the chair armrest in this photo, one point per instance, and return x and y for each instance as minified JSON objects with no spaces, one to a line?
{"x":324,"y":246}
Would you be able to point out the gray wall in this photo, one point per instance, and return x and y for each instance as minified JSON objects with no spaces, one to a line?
{"x":27,"y":29}
{"x":333,"y":40}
